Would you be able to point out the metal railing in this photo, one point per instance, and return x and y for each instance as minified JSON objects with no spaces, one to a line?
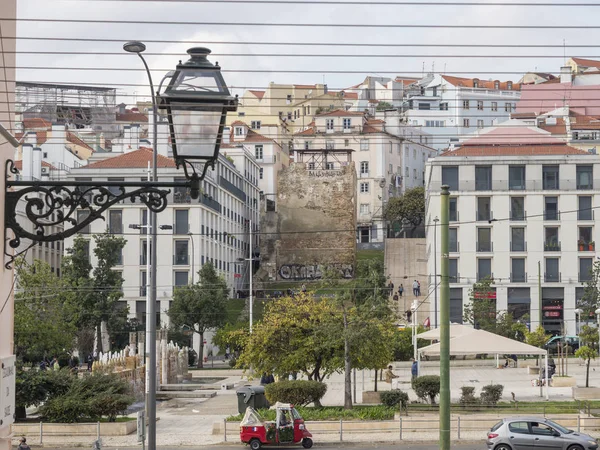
{"x":485,"y":247}
{"x":518,"y":246}
{"x":552,"y":277}
{"x":518,"y":277}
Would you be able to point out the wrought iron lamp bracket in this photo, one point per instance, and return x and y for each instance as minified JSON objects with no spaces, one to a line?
{"x":34,"y":209}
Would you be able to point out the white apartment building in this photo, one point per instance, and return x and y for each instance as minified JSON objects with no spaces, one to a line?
{"x":214,"y":228}
{"x":449,"y":108}
{"x":523,"y":214}
{"x":387,"y":164}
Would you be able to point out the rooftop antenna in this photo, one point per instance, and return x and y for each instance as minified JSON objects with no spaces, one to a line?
{"x":423,"y":70}
{"x":433,"y":67}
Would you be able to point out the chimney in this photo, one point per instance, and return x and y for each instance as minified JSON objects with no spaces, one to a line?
{"x":566,"y":76}
{"x":27,"y":170}
{"x":37,"y":163}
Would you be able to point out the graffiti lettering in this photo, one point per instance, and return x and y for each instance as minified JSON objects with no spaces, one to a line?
{"x":313,"y":271}
{"x":324,"y":173}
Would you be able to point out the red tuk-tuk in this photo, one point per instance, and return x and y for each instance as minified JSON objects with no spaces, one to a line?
{"x":288,"y":428}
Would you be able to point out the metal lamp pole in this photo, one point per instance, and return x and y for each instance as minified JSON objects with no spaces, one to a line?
{"x":445,"y":324}
{"x":138,"y":48}
{"x":435,"y":283}
{"x":578,"y":312}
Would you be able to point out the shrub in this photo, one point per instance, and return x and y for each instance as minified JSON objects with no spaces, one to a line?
{"x":491,"y":394}
{"x":467,"y":396}
{"x":394,"y":399}
{"x":34,"y":387}
{"x":427,"y":387}
{"x":296,"y":392}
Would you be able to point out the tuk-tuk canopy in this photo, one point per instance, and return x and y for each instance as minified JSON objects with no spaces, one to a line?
{"x":280,"y":405}
{"x":251,"y":418}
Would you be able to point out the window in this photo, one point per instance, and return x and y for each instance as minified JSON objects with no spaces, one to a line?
{"x":364,"y":208}
{"x":453,"y":240}
{"x":517,"y":208}
{"x":516,"y":178}
{"x":465,"y":104}
{"x":415,"y":174}
{"x":585,"y":269}
{"x":508,"y":107}
{"x":585,"y":238}
{"x":181,"y":278}
{"x":480,"y":105}
{"x":258,"y":151}
{"x":466,"y":123}
{"x":364,"y":145}
{"x":517,"y":270}
{"x":83,"y":214}
{"x":484,"y":208}
{"x":551,"y":208}
{"x":289,"y":115}
{"x":407,"y":171}
{"x":450,"y":177}
{"x":255,"y":124}
{"x":329,"y":125}
{"x":494,"y":106}
{"x":552,"y":270}
{"x":364,"y":168}
{"x":453,"y":270}
{"x":444,"y":106}
{"x":484,"y":239}
{"x":475,"y":83}
{"x":181,"y":257}
{"x":144,"y":252}
{"x":260,"y":173}
{"x":585,"y":208}
{"x":550,"y":177}
{"x":143,"y":282}
{"x":584,"y":177}
{"x":509,"y":85}
{"x":483,"y":178}
{"x":288,"y":99}
{"x":424,"y":106}
{"x":484,"y":268}
{"x":306,"y":145}
{"x":347,"y":124}
{"x":329,"y":166}
{"x":496,"y":85}
{"x":182,"y":221}
{"x":551,"y":242}
{"x":517,"y":239}
{"x":364,"y":188}
{"x":480,"y":123}
{"x":329,"y":144}
{"x":115,"y":221}
{"x":311,"y":166}
{"x":453,"y":216}
{"x":518,"y":427}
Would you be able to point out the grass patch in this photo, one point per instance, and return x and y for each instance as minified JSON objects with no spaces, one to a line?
{"x":379,"y":412}
{"x":365,"y":255}
{"x":541,"y":407}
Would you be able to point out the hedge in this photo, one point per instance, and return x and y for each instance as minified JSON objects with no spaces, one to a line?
{"x":296,"y":392}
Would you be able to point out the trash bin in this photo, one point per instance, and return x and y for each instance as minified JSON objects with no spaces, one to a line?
{"x":251,"y":396}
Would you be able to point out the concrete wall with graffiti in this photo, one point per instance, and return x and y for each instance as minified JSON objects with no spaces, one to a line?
{"x":313,"y":227}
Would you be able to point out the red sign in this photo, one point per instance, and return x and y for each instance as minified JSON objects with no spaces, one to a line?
{"x":552,"y":314}
{"x":237,"y":275}
{"x":552,"y":307}
{"x":487,"y":295}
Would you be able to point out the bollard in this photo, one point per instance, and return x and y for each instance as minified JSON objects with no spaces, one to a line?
{"x":458,"y":425}
{"x":400,"y":428}
{"x":224,"y":430}
{"x":41,"y":433}
{"x":578,"y":423}
{"x":98,"y":430}
{"x":341,"y":431}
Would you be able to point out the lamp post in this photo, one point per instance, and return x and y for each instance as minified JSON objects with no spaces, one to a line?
{"x":250,"y":260}
{"x":414,"y":307}
{"x":578,"y":312}
{"x":444,"y":323}
{"x":435,"y":284}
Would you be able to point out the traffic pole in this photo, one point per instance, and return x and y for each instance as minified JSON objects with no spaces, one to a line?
{"x":444,"y":323}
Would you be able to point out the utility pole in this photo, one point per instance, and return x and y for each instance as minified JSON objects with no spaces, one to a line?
{"x":540,"y":314}
{"x":445,"y":324}
{"x":251,"y":260}
{"x":435,"y":283}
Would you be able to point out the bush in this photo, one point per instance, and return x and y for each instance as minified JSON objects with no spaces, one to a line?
{"x":34,"y":387}
{"x":296,"y":392}
{"x":427,"y":387}
{"x":394,"y":399}
{"x":467,"y":396}
{"x":491,"y":394}
{"x":308,"y":413}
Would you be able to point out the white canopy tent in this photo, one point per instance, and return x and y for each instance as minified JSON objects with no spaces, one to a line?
{"x":483,"y":342}
{"x":456,"y":329}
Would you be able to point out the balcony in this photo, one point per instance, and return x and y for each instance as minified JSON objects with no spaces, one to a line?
{"x":552,"y":277}
{"x":552,"y":246}
{"x":483,"y":276}
{"x":585,"y":214}
{"x":485,"y":247}
{"x":586,"y":246}
{"x":453,"y":279}
{"x":211,"y":203}
{"x":518,"y":277}
{"x":233,"y":189}
{"x":484,"y":216}
{"x":518,"y":246}
{"x":518,"y":216}
{"x":182,"y":259}
{"x":181,"y":195}
{"x":454,"y":247}
{"x":551,"y":215}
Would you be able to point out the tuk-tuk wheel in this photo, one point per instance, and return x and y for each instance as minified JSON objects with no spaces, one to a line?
{"x":256,"y":445}
{"x":307,"y":442}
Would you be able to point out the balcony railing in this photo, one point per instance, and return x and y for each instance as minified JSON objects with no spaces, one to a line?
{"x":552,"y":277}
{"x":181,"y":260}
{"x":586,"y":246}
{"x":518,"y":246}
{"x":454,"y":278}
{"x":551,"y":215}
{"x":585,"y":214}
{"x":552,"y":246}
{"x":518,"y":277}
{"x":515,"y":185}
{"x":518,"y":216}
{"x":481,"y":277}
{"x":211,"y":203}
{"x":232,"y":188}
{"x":484,"y":216}
{"x":485,"y":247}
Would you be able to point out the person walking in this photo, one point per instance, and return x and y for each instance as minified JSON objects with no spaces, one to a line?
{"x":23,"y":444}
{"x":415,"y":288}
{"x":401,"y":290}
{"x":390,"y":376}
{"x":89,"y":360}
{"x":267,"y":379}
{"x":395,"y":297}
{"x":414,"y":369}
{"x":54,"y":364}
{"x":418,"y":288}
{"x":390,"y":287}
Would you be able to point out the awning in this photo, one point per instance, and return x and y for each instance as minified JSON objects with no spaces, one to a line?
{"x":456,"y":329}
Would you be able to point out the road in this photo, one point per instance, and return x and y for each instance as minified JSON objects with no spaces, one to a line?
{"x":384,"y":446}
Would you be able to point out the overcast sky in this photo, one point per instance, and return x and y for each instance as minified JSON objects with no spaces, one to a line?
{"x":503,"y":60}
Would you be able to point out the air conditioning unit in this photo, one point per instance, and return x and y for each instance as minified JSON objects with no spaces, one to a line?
{"x":45,"y":170}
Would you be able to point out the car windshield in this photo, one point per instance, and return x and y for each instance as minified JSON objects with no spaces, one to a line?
{"x":560,"y":428}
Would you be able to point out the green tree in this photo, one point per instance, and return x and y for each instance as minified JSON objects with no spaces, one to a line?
{"x":383,"y":106}
{"x":403,"y":346}
{"x":587,"y":354}
{"x":34,"y":387}
{"x":537,"y":338}
{"x":591,"y":292}
{"x":408,"y":209}
{"x":44,"y":322}
{"x":589,"y":336}
{"x":201,"y":306}
{"x":481,"y":310}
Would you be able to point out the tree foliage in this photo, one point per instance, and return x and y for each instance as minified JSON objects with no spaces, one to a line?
{"x":538,"y":337}
{"x":591,"y":292}
{"x":403,"y":346}
{"x":587,"y":354}
{"x":427,"y":387}
{"x":383,"y":106}
{"x":589,"y":336}
{"x":201,"y":306}
{"x":408,"y":209}
{"x":44,"y":321}
{"x":33,"y":387}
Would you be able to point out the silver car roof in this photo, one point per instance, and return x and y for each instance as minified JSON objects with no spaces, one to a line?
{"x":526,"y":419}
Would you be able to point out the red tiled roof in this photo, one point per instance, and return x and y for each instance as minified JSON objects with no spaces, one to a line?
{"x":253,"y":136}
{"x":308,"y":132}
{"x":137,"y":159}
{"x":36,"y":123}
{"x":525,"y":115}
{"x":517,"y":150}
{"x":351,"y":95}
{"x":469,"y":82}
{"x":132,"y":117}
{"x":238,"y":122}
{"x":41,"y":136}
{"x":257,"y":94}
{"x":405,"y":81}
{"x":19,"y":165}
{"x":341,"y":113}
{"x":585,"y":123}
{"x":513,"y":133}
{"x":74,"y":139}
{"x":586,"y":62}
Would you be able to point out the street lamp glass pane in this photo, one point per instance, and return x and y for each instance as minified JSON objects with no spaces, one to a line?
{"x":196,"y":132}
{"x":200,"y":81}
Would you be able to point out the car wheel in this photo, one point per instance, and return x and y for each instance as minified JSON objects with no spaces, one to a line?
{"x":575,"y":447}
{"x":255,"y":444}
{"x":503,"y":447}
{"x":307,"y":442}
